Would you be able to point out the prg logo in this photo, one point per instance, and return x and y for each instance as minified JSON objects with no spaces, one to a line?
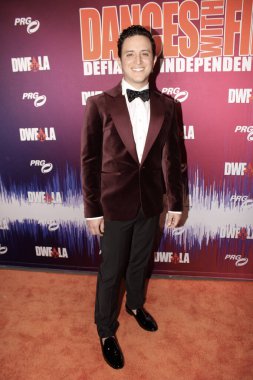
{"x":52,"y":225}
{"x":242,"y":201}
{"x":32,"y":26}
{"x":39,"y":100}
{"x":245,"y":129}
{"x":177,"y":93}
{"x":178,"y":231}
{"x":46,"y":167}
{"x":3,"y":249}
{"x":240,"y":261}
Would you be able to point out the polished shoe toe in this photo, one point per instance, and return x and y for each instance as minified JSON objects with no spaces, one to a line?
{"x":112,"y":352}
{"x":144,"y":319}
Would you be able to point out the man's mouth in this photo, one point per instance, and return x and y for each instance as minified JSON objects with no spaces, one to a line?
{"x":138,"y":69}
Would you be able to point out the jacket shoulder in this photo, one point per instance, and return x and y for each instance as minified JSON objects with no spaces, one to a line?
{"x":101,"y":98}
{"x":115,"y":91}
{"x":95,"y":98}
{"x":96,"y":103}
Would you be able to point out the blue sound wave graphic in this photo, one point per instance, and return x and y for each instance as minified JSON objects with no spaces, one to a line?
{"x":62,"y":224}
{"x":218,"y":214}
{"x":214,"y":218}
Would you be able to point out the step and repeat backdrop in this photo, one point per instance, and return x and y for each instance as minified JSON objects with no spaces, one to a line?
{"x":54,"y":55}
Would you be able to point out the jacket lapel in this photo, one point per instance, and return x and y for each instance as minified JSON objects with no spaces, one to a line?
{"x":119,"y":112}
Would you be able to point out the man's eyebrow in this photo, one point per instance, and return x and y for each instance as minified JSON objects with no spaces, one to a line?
{"x":130,"y":51}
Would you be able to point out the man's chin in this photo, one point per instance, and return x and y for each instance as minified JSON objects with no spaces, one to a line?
{"x":141,"y":82}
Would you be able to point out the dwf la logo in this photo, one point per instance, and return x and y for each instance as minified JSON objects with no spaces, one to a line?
{"x":240,"y":95}
{"x":3,"y":249}
{"x":52,"y":225}
{"x":245,"y":129}
{"x":177,"y":93}
{"x":238,"y":168}
{"x":189,"y":133}
{"x":46,"y":167}
{"x":240,"y":261}
{"x":32,"y":25}
{"x":37,"y":134}
{"x":39,"y":100}
{"x":172,"y":257}
{"x":20,"y":64}
{"x":86,"y":94}
{"x":242,"y":233}
{"x":44,"y":197}
{"x":56,"y":253}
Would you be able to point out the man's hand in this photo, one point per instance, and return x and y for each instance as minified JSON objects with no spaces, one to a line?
{"x":96,"y":226}
{"x":172,"y":219}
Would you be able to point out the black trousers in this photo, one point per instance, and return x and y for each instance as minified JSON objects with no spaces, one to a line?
{"x":126,"y":248}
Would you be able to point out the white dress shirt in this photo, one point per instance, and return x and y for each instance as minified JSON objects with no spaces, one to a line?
{"x":139,"y":112}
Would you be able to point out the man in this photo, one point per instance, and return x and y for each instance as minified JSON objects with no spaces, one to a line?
{"x":130,"y":156}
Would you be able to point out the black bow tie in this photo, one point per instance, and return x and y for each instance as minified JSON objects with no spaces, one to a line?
{"x":144,"y":95}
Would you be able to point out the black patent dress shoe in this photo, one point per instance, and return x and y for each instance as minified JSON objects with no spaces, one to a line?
{"x":145,"y":320}
{"x":112,"y":352}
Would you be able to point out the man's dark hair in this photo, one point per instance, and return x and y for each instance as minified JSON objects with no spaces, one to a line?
{"x":135,"y":30}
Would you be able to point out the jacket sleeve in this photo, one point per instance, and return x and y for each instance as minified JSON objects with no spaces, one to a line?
{"x":172,"y":165}
{"x":91,"y":159}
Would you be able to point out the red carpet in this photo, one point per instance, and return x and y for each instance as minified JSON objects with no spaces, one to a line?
{"x":47,"y":330}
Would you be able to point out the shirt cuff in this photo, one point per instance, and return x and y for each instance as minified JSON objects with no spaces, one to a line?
{"x":175,"y":212}
{"x":96,"y":217}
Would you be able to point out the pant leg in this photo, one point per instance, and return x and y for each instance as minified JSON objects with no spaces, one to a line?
{"x":115,"y":247}
{"x":141,"y":249}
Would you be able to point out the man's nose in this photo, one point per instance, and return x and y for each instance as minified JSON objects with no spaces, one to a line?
{"x":138,"y":59}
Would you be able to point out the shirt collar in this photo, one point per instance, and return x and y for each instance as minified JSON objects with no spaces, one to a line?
{"x":125,"y":85}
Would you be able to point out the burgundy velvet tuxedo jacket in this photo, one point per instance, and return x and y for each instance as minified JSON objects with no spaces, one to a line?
{"x":115,"y":184}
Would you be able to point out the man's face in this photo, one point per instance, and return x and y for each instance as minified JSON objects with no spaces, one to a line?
{"x":137,"y":60}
